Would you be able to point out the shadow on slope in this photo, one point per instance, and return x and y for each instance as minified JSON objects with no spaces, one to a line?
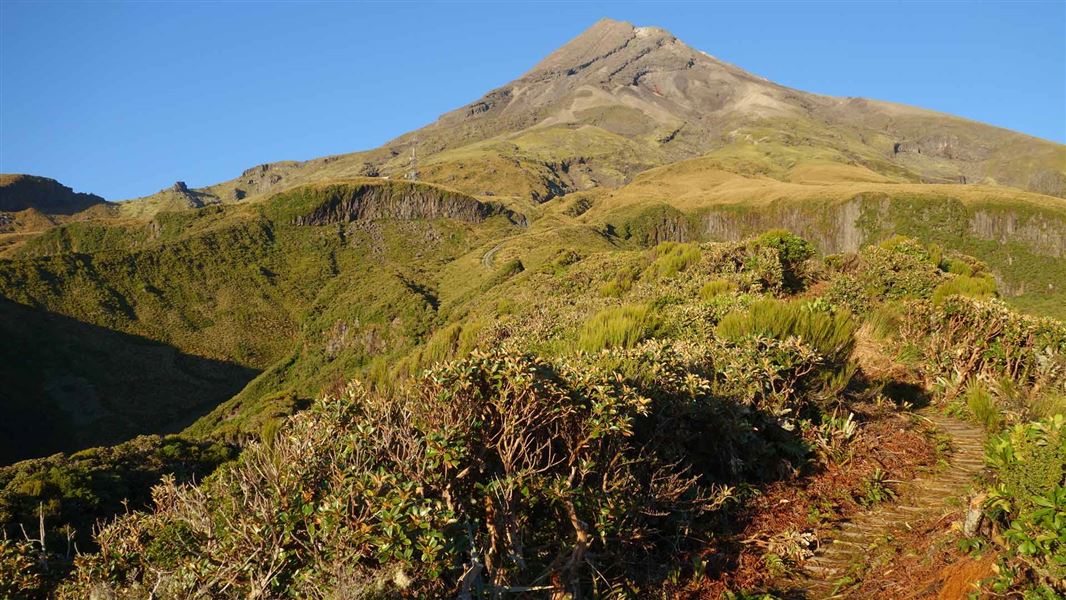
{"x":68,"y":385}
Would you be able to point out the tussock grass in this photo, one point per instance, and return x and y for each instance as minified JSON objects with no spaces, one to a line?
{"x":618,"y":327}
{"x":982,"y":404}
{"x":716,"y":287}
{"x":670,"y":259}
{"x":981,"y":287}
{"x":831,"y":335}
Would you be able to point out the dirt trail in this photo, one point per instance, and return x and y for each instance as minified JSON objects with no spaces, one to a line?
{"x":849,"y":545}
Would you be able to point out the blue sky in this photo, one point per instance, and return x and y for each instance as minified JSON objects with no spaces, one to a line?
{"x":123,"y":99}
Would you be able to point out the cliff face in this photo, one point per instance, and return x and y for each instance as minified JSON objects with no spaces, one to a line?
{"x":1024,"y":246}
{"x":21,"y":192}
{"x":397,"y":200}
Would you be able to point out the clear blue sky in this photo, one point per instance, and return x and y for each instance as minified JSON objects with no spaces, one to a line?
{"x":124,"y":99}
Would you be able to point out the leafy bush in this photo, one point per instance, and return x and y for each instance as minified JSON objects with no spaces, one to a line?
{"x":792,"y":251}
{"x":78,"y":490}
{"x":20,"y":575}
{"x":493,"y":471}
{"x":897,"y":268}
{"x":618,"y":327}
{"x":1028,"y":499}
{"x":962,"y":338}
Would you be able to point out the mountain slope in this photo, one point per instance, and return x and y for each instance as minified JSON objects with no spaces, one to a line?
{"x":22,"y":192}
{"x":620,"y":99}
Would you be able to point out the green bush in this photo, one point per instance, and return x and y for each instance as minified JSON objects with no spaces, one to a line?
{"x":20,"y":575}
{"x":830,"y":335}
{"x":78,"y":490}
{"x":792,"y":251}
{"x":618,"y":327}
{"x":961,"y":338}
{"x":497,"y":465}
{"x":1028,"y":499}
{"x":897,"y":268}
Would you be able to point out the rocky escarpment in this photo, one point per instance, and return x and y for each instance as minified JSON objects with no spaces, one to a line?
{"x":942,"y":146}
{"x":1023,"y":244}
{"x":339,"y":203}
{"x":20,"y":192}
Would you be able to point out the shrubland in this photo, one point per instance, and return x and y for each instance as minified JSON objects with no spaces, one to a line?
{"x":554,"y":438}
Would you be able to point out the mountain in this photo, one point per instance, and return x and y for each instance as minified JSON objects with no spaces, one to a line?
{"x":297,"y":274}
{"x":48,"y":196}
{"x":578,"y":324}
{"x":618,"y":100}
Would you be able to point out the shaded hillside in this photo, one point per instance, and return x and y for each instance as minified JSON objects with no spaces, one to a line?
{"x":247,"y":287}
{"x":21,"y":192}
{"x":70,"y":385}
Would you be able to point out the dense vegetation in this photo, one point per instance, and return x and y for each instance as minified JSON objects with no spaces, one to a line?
{"x":566,"y":432}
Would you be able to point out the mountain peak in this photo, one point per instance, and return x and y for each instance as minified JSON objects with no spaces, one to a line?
{"x":604,"y":38}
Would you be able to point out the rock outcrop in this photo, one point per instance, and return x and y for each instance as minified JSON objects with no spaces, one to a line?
{"x":345,"y":202}
{"x":21,"y":192}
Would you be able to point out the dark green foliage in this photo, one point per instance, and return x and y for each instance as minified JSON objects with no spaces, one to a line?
{"x":78,"y":490}
{"x":1028,"y":501}
{"x":792,"y":251}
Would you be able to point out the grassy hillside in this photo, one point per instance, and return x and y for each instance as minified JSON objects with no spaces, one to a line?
{"x":645,"y":401}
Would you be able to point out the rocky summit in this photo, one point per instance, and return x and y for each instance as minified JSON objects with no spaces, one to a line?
{"x":636,"y":324}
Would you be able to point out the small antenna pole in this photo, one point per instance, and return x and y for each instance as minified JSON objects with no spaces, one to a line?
{"x":412,"y":174}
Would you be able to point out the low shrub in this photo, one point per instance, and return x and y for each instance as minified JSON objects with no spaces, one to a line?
{"x":897,"y":268}
{"x":494,"y":472}
{"x":832,"y":335}
{"x":792,"y":251}
{"x":1027,"y":503}
{"x":962,"y":338}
